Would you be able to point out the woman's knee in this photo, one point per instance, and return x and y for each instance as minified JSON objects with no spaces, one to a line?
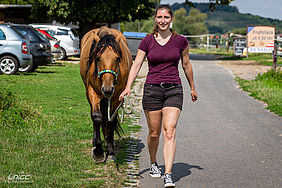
{"x":154,"y":134}
{"x":169,"y":133}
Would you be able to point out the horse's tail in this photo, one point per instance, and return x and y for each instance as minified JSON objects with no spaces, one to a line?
{"x":106,"y":125}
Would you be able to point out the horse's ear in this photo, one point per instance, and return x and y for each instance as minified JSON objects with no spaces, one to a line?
{"x":96,"y":37}
{"x":118,"y":37}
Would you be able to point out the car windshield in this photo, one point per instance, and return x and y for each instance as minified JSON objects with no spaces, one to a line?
{"x":25,"y":32}
{"x":39,"y":35}
{"x":74,"y":32}
{"x":50,"y":33}
{"x":62,"y":32}
{"x":19,"y":33}
{"x":42,"y":36}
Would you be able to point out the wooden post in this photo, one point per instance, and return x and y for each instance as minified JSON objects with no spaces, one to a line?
{"x":208,"y":42}
{"x":247,"y":55}
{"x":274,"y":54}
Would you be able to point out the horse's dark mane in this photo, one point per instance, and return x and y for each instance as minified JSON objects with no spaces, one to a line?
{"x":97,"y":49}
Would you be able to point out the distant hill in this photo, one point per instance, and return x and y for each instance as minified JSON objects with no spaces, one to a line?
{"x":228,"y":18}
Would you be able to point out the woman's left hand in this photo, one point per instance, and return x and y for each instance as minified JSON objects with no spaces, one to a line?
{"x":194,"y":95}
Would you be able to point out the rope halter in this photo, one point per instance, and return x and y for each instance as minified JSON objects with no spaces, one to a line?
{"x":115,"y":74}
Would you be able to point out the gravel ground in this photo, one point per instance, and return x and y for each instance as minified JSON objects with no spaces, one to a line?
{"x":245,"y":69}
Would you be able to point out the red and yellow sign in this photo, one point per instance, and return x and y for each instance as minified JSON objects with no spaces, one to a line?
{"x":260,"y":39}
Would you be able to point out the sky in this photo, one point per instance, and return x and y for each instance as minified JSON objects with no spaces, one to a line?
{"x":263,"y":8}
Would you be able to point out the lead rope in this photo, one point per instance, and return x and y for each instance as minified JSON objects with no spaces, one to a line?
{"x":125,"y":107}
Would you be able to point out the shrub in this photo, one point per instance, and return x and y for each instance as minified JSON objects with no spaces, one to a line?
{"x":271,"y":75}
{"x":13,"y":112}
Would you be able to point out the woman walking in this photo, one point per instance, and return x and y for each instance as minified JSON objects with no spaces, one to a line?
{"x":163,"y":92}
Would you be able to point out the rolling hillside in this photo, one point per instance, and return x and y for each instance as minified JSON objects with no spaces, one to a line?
{"x":228,"y":18}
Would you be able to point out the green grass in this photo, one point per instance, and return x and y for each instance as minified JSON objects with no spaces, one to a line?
{"x":218,"y":51}
{"x":263,"y":59}
{"x":51,"y":137}
{"x":266,"y":87}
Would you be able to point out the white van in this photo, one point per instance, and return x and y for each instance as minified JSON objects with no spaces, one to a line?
{"x":69,"y":40}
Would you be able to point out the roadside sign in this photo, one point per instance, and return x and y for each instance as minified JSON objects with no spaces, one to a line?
{"x":239,"y":44}
{"x":260,"y":39}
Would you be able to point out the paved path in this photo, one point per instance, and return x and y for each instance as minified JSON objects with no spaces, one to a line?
{"x":226,"y":139}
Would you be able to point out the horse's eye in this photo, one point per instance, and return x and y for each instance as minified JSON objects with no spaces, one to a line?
{"x":97,"y":60}
{"x":118,"y":59}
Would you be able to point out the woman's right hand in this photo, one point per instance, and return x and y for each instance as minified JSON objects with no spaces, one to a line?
{"x":125,"y":92}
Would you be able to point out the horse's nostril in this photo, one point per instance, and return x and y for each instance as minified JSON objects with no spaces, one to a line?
{"x":108,"y":92}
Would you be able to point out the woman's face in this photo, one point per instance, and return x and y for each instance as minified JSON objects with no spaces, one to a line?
{"x":163,"y":19}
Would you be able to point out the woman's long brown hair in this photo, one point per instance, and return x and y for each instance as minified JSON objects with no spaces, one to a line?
{"x":169,"y":9}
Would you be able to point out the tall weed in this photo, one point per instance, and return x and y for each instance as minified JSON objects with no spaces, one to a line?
{"x":13,"y":112}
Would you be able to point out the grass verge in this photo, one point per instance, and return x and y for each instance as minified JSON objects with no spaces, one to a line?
{"x":46,"y":132}
{"x":260,"y":58}
{"x":266,"y":87}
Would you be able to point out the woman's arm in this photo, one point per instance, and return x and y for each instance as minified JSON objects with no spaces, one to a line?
{"x":135,"y":68}
{"x":187,"y":67}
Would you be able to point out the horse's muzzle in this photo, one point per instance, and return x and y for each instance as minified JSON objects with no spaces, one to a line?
{"x":108,"y":92}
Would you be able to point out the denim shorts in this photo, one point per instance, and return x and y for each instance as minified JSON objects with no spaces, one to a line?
{"x":156,"y":97}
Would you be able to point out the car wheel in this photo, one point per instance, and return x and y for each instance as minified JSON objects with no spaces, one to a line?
{"x":29,"y":68}
{"x":8,"y":65}
{"x":63,"y":54}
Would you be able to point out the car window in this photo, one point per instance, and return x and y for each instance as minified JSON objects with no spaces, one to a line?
{"x":39,"y":35}
{"x":45,"y":34}
{"x":23,"y":31}
{"x":28,"y":34}
{"x":19,"y":33}
{"x":48,"y":30}
{"x":51,"y":33}
{"x":2,"y":35}
{"x":74,"y":32}
{"x":62,"y":32}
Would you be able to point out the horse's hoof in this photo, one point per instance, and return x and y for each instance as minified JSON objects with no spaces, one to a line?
{"x":98,"y":158}
{"x":111,"y":158}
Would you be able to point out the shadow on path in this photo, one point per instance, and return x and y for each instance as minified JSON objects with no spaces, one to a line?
{"x":209,"y":57}
{"x":179,"y":170}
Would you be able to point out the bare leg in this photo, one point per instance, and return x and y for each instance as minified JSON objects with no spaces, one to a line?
{"x":170,"y":118}
{"x":154,"y":121}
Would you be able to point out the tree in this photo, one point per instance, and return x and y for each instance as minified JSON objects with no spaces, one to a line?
{"x":180,"y":21}
{"x":88,"y":13}
{"x":213,"y":3}
{"x":196,"y":22}
{"x":192,"y":24}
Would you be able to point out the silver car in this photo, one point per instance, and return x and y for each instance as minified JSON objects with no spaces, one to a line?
{"x":69,"y":40}
{"x":14,"y":52}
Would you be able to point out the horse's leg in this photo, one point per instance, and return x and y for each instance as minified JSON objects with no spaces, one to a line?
{"x":110,"y":139}
{"x":98,"y":154}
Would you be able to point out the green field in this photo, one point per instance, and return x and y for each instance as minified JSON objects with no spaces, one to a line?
{"x":46,"y":132}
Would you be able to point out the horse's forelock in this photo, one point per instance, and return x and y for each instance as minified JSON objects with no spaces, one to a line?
{"x":105,"y":41}
{"x":98,"y":48}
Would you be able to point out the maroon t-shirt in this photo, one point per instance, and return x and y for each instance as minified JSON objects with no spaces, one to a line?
{"x":163,"y":60}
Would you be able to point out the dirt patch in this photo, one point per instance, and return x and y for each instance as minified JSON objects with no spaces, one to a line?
{"x":245,"y":69}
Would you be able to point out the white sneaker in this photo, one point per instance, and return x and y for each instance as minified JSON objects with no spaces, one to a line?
{"x":168,"y":181}
{"x":154,"y":170}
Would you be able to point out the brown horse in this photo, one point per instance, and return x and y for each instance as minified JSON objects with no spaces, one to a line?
{"x":105,"y":62}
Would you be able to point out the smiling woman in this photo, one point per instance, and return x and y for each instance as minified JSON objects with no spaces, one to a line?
{"x":163,"y":93}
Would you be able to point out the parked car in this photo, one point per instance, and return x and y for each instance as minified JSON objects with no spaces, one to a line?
{"x":14,"y":52}
{"x":40,"y":47}
{"x":55,"y":44}
{"x":68,"y":37}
